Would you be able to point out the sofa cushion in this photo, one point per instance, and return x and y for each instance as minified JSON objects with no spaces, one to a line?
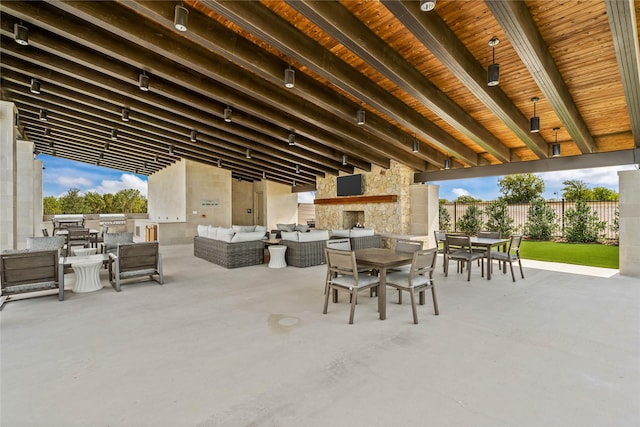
{"x":243,"y":228}
{"x":225,"y":234}
{"x":313,"y":236}
{"x":203,"y":230}
{"x":359,"y":232}
{"x":212,"y":232}
{"x":340,"y":233}
{"x":286,"y":227}
{"x":261,"y":228}
{"x":247,"y":237}
{"x":302,"y":228}
{"x":289,"y":235}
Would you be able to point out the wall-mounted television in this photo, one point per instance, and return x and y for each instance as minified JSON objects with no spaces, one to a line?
{"x":350,"y":185}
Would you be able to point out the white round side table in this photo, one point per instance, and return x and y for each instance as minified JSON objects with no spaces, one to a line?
{"x":84,"y":251}
{"x":276,"y":256}
{"x":87,"y":276}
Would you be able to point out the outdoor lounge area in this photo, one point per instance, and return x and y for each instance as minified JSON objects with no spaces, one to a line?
{"x":250,"y":346}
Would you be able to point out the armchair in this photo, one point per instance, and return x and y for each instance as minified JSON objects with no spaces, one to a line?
{"x":26,"y":271}
{"x":134,"y":260}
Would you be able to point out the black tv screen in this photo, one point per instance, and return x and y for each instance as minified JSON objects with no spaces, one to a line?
{"x":350,"y":185}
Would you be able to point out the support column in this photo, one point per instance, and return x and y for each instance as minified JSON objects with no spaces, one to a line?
{"x":8,"y":161}
{"x":629,"y":182}
{"x":424,"y":211}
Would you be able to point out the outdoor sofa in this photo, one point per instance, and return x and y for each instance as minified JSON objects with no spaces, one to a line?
{"x":230,"y":247}
{"x":305,"y":249}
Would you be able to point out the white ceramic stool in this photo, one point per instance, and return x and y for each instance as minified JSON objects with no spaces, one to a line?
{"x":276,"y":255}
{"x":87,"y":276}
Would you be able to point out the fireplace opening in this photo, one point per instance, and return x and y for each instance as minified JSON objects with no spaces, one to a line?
{"x":351,"y":218}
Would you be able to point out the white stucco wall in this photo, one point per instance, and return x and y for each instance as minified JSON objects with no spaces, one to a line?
{"x":629,"y":222}
{"x":282,"y":205}
{"x":167,"y":193}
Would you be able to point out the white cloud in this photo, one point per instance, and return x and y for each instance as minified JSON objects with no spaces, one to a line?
{"x":307,"y":197}
{"x":73,"y":181}
{"x":594,"y":177}
{"x":460,"y":192}
{"x":126,"y":181}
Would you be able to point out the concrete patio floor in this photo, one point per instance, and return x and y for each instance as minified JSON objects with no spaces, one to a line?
{"x":251,"y":347}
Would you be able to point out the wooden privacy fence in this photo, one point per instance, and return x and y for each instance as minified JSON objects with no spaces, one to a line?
{"x":519,"y":212}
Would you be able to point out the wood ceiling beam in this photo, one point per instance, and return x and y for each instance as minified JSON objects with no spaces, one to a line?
{"x":168,"y":97}
{"x":162,"y":119}
{"x":248,"y":92}
{"x":518,"y":24}
{"x":145,"y":135}
{"x":115,"y":50}
{"x":263,"y":23}
{"x":624,"y":29}
{"x":228,"y":44}
{"x":433,"y":32}
{"x":339,"y":23}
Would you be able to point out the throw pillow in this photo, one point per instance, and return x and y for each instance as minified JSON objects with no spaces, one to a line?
{"x":212,"y":232}
{"x":286,"y":227}
{"x":243,"y":228}
{"x":203,"y":230}
{"x":225,"y":234}
{"x":302,"y":228}
{"x":248,"y":237}
{"x":313,"y":236}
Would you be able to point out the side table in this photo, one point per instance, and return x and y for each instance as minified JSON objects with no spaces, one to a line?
{"x":87,"y":276}
{"x":84,"y":251}
{"x":276,"y":254}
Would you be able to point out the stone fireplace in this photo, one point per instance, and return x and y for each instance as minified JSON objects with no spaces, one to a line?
{"x":351,"y":218}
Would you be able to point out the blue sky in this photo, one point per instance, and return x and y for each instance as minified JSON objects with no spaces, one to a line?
{"x":60,"y":175}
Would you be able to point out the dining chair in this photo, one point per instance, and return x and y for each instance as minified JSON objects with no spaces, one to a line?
{"x":342,"y":244}
{"x":487,"y":235}
{"x":343,"y":275}
{"x":417,"y":280}
{"x":406,"y":246}
{"x":77,"y":237}
{"x":512,"y":254}
{"x":440,"y":236}
{"x":458,"y":248}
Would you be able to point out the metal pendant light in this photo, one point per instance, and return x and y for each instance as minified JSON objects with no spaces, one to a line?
{"x":21,"y":34}
{"x":194,"y":136}
{"x":416,"y":145}
{"x":493,"y":73}
{"x":248,"y":153}
{"x":555,"y":148}
{"x":292,"y":138}
{"x":114,"y":134}
{"x":125,"y":114}
{"x":427,"y":5}
{"x":360,"y":117}
{"x":289,"y":78}
{"x":447,"y":163}
{"x":181,"y":18}
{"x":227,"y":114}
{"x":35,"y":86}
{"x":43,"y":115}
{"x":344,"y":160}
{"x":534,"y":122}
{"x":143,"y":82}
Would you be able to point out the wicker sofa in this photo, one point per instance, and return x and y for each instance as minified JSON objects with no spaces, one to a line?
{"x":229,"y":255}
{"x":305,"y":249}
{"x":359,"y":238}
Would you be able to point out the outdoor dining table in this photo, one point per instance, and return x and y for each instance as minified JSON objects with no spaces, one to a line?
{"x":382,"y":259}
{"x":486,"y":244}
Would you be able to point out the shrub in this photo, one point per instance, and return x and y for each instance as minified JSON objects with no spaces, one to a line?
{"x":499,"y":219}
{"x":471,"y":221}
{"x":443,"y":217}
{"x":582,"y":224}
{"x":541,"y":224}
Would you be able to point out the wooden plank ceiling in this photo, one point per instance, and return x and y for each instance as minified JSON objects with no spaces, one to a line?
{"x":419,"y":76}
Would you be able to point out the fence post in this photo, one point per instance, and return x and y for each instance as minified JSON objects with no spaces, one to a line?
{"x":562,"y":216}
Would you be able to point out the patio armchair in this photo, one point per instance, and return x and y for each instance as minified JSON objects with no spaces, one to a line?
{"x":440,"y":237}
{"x":29,"y":271}
{"x":132,"y":260}
{"x":342,"y":274}
{"x":418,"y":279}
{"x":110,"y":241}
{"x":512,"y":254}
{"x":458,"y":248}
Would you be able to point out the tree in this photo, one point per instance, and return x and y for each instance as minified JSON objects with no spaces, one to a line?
{"x":499,"y":219}
{"x":51,"y":206}
{"x":521,"y":188}
{"x":542,"y":220}
{"x":469,"y":200}
{"x":582,"y":224}
{"x":72,"y":202}
{"x":94,"y":202}
{"x":471,"y":221}
{"x":575,"y":190}
{"x":603,"y":194}
{"x":443,"y":217}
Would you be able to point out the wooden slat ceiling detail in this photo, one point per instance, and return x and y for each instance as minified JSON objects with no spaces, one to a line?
{"x":420,"y":76}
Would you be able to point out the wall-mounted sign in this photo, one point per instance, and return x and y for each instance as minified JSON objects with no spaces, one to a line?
{"x":210,"y":203}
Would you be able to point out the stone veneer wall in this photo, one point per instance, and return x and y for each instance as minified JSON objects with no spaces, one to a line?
{"x":382,"y":217}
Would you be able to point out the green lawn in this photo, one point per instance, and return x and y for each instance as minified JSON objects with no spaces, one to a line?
{"x":593,"y":254}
